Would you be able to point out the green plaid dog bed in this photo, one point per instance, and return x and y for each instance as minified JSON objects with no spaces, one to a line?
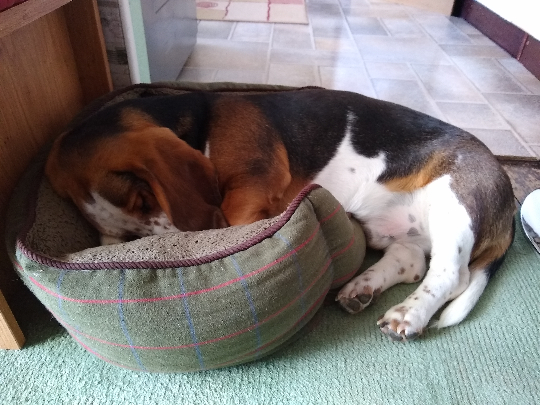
{"x":182,"y":301}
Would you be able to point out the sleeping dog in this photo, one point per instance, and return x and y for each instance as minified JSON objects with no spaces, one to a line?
{"x":203,"y":160}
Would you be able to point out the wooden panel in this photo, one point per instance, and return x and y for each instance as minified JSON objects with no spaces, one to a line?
{"x":505,"y":34}
{"x":524,"y":175}
{"x":11,"y":336}
{"x":90,"y":55}
{"x":530,"y":56}
{"x":514,"y":40}
{"x":40,"y":94}
{"x":44,"y":83}
{"x":25,"y":13}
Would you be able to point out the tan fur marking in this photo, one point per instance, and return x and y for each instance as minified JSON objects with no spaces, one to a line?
{"x":136,"y":120}
{"x":434,"y":168}
{"x":252,"y":163}
{"x":489,"y":251}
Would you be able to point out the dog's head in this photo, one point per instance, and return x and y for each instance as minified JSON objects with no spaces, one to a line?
{"x":139,"y":182}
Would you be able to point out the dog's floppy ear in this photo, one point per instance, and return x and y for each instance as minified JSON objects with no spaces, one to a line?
{"x":135,"y":190}
{"x":178,"y":179}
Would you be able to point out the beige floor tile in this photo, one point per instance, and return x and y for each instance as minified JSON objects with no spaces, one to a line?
{"x":316,"y":58}
{"x":222,"y":54}
{"x":349,"y":79}
{"x":476,"y":37}
{"x":480,"y":39}
{"x":335,"y":44}
{"x":346,"y":4}
{"x":366,"y":26}
{"x":324,"y":10}
{"x":447,"y":83}
{"x":522,"y":111}
{"x":407,"y":93}
{"x":252,"y":32}
{"x":439,"y":65}
{"x":476,"y":51}
{"x":518,"y":71}
{"x":488,"y":75}
{"x":196,"y":75}
{"x":500,"y":142}
{"x":293,"y":75}
{"x":384,"y":70}
{"x":214,"y":29}
{"x":379,"y":10}
{"x":404,"y":50}
{"x":240,"y":76}
{"x":467,"y":115}
{"x":442,"y":30}
{"x":328,"y":27}
{"x":403,"y":28}
{"x":464,"y":26}
{"x":413,"y":11}
{"x":292,"y":36}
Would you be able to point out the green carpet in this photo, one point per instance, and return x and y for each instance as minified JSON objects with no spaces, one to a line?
{"x":491,"y":358}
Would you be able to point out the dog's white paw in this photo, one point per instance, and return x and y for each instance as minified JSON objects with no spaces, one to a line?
{"x":359,"y":293}
{"x":402,"y":323}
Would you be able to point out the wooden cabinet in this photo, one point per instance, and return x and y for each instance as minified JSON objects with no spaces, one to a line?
{"x":52,"y":63}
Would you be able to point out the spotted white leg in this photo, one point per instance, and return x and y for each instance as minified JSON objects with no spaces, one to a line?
{"x":407,"y":321}
{"x":448,"y":274}
{"x":401,"y":263}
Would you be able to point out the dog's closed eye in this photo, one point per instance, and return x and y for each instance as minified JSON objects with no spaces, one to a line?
{"x":139,"y":194}
{"x":127,"y":191}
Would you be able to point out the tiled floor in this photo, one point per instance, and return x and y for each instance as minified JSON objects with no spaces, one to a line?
{"x":436,"y":64}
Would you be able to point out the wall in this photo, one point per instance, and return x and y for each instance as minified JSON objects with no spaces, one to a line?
{"x":148,"y":40}
{"x":113,"y":34}
{"x":524,"y":14}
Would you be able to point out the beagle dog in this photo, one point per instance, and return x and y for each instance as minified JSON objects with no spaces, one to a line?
{"x":203,"y":160}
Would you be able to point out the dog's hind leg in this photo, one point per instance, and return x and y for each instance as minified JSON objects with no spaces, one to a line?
{"x":448,"y":276}
{"x":460,"y":307}
{"x":407,"y":321}
{"x":481,"y":272}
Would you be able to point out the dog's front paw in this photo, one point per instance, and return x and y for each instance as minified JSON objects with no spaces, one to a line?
{"x":357,"y":295}
{"x":401,"y":323}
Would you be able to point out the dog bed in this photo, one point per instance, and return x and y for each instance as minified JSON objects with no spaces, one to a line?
{"x":181,"y":301}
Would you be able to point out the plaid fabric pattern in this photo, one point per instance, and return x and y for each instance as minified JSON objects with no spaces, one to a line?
{"x":229,"y":311}
{"x":189,"y":317}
